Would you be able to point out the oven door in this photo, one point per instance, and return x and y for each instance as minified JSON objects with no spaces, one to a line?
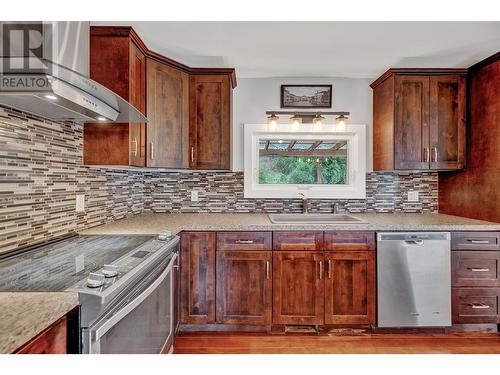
{"x":142,"y":322}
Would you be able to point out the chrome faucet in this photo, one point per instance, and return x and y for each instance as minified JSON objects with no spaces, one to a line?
{"x":305,"y":206}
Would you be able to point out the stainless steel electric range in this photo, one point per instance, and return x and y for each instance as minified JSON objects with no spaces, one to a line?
{"x":125,"y":287}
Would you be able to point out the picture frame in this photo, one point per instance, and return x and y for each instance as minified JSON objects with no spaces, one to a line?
{"x":306,"y":96}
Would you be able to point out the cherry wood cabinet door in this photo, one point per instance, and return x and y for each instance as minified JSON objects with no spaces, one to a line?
{"x":198,"y":277}
{"x":51,"y":341}
{"x":298,"y":289}
{"x":411,"y":94}
{"x":210,"y":121}
{"x":244,"y":287}
{"x":168,"y":115}
{"x":350,"y":287}
{"x":447,"y":122}
{"x":137,"y":83}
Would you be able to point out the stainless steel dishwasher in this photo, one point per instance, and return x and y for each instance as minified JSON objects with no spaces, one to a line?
{"x":414,"y":279}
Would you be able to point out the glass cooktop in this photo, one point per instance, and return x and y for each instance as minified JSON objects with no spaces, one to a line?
{"x":57,"y":266}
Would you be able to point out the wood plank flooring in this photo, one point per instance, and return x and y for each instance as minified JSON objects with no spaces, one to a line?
{"x":369,"y":343}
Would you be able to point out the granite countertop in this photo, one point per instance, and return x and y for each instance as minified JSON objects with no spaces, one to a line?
{"x":25,"y":315}
{"x":151,"y":223}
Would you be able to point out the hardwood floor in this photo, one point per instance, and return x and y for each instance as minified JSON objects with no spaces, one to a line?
{"x":369,"y":343}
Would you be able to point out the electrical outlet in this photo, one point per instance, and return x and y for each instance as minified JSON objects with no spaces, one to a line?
{"x":413,"y":196}
{"x":80,"y":203}
{"x":194,"y":196}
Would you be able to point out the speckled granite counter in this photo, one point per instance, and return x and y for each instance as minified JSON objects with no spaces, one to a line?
{"x":156,"y":223}
{"x":25,"y":315}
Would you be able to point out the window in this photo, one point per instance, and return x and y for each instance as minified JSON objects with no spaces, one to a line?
{"x":326,"y":164}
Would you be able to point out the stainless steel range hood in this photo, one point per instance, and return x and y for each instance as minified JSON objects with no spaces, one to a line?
{"x":49,"y":88}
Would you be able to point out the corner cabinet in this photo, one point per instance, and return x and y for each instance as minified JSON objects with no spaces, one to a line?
{"x":419,"y":119}
{"x":189,"y":110}
{"x":167,"y":110}
{"x":210,"y":121}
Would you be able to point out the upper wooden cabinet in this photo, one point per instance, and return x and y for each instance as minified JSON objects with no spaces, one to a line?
{"x":419,"y":120}
{"x":210,"y":118}
{"x":189,"y":110}
{"x":168,"y":126}
{"x":117,"y":61}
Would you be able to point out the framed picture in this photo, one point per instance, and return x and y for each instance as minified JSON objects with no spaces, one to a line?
{"x":306,"y":96}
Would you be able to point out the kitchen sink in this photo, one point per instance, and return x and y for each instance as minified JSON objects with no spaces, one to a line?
{"x":314,"y":219}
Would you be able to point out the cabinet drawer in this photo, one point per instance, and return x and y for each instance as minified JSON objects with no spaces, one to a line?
{"x":475,"y":268}
{"x":475,"y":241}
{"x":290,"y":241}
{"x":349,"y":241}
{"x":475,"y":305}
{"x":244,"y":241}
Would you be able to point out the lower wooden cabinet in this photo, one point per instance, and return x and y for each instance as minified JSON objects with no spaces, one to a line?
{"x":198,"y":277}
{"x":298,"y":294}
{"x":475,"y":305}
{"x":51,"y":341}
{"x":244,"y":287}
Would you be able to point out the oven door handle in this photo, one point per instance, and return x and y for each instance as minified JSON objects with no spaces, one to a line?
{"x":104,"y":326}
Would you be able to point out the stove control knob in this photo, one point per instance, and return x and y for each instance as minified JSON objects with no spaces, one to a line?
{"x":164,"y":236}
{"x":95,"y":280}
{"x":110,"y":270}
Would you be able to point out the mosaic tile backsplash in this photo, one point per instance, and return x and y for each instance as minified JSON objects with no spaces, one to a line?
{"x":41,"y":172}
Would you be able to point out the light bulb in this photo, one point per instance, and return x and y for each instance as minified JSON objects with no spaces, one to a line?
{"x":318,"y":122}
{"x":272,"y":122}
{"x":295,"y":122}
{"x":341,"y":123}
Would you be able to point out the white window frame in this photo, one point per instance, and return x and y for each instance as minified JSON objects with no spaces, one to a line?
{"x":356,"y":157}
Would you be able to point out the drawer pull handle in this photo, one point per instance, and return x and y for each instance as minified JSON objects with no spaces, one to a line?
{"x":134,"y":151}
{"x":479,"y":269}
{"x":267,"y":269}
{"x":244,"y":241}
{"x":480,"y":306}
{"x":479,"y":241}
{"x":329,"y":268}
{"x":320,"y":269}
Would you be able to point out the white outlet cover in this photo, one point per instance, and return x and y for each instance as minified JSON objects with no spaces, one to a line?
{"x":194,"y":196}
{"x":80,"y":203}
{"x":413,"y":196}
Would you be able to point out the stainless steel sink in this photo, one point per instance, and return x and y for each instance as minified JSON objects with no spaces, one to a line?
{"x":314,"y":219}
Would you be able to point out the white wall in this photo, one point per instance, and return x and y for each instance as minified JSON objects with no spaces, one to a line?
{"x":254,"y":96}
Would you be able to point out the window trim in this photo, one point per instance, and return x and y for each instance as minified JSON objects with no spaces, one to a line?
{"x":356,"y":162}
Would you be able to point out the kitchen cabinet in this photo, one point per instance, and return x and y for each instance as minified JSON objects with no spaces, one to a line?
{"x":167,"y":111}
{"x":198,"y":277}
{"x":419,"y":119}
{"x":210,"y":121}
{"x":350,"y":287}
{"x":475,"y":277}
{"x":52,"y":340}
{"x":298,"y":293}
{"x":298,"y":241}
{"x":117,"y":61}
{"x":244,"y":287}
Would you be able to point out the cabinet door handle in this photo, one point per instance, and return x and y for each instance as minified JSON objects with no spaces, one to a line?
{"x":426,"y":154}
{"x":479,"y":241}
{"x":244,"y":241}
{"x":192,"y":154}
{"x":480,"y":306}
{"x":435,"y":152}
{"x":268,"y":266}
{"x":134,"y":151}
{"x":152,"y":153}
{"x":320,"y":269}
{"x":329,"y":268}
{"x":478,"y":269}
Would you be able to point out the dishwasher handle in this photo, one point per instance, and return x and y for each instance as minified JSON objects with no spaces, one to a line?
{"x":414,"y":242}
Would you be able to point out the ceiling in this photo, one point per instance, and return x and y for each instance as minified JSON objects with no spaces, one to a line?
{"x":320,"y":49}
